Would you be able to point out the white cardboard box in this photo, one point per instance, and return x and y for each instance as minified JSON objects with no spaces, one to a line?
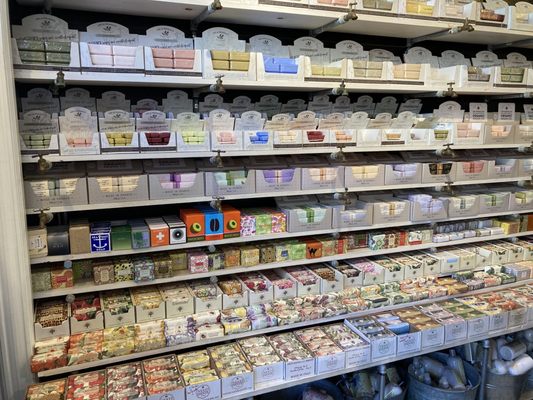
{"x":94,"y":324}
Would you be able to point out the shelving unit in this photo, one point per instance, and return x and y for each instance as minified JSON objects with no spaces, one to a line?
{"x":207,"y":342}
{"x":17,"y":349}
{"x":231,"y":271}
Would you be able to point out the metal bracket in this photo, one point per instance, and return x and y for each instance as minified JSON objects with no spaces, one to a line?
{"x":450,"y":92}
{"x":449,"y":189}
{"x":465,"y":27}
{"x":516,"y":43}
{"x":216,"y":160}
{"x":44,"y":217}
{"x":217,"y":87}
{"x":526,"y":149}
{"x":210,"y":9}
{"x":446,"y":151}
{"x":344,"y":197}
{"x":47,"y":6}
{"x":58,"y":83}
{"x":349,"y":16}
{"x":382,"y":370}
{"x":339,"y":155}
{"x":42,"y":164}
{"x":340,"y":90}
{"x":526,"y":95}
{"x":216,"y":203}
{"x":526,"y":184}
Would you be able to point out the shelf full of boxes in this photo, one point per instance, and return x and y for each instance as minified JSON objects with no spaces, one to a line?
{"x":372,"y":204}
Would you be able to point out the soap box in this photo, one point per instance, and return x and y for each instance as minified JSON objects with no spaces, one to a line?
{"x":116,"y":181}
{"x":403,"y":174}
{"x":272,"y":174}
{"x":381,"y":348}
{"x":42,"y":333}
{"x":362,"y":176}
{"x":233,"y":179}
{"x":174,"y":179}
{"x":204,"y":391}
{"x":94,"y":324}
{"x":46,"y":190}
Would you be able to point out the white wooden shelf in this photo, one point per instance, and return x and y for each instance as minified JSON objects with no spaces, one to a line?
{"x":186,"y":200}
{"x":280,"y":385}
{"x":28,"y":159}
{"x":186,"y":275}
{"x":290,"y":17}
{"x":280,"y":328}
{"x":246,"y":239}
{"x":140,"y":79}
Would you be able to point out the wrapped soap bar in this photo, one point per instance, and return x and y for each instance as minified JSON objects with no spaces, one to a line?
{"x":229,"y":360}
{"x":117,"y":302}
{"x":162,"y":375}
{"x":196,"y":367}
{"x":51,"y":313}
{"x":289,"y":347}
{"x":50,"y":354}
{"x":53,"y":390}
{"x":344,"y":337}
{"x":90,"y":385}
{"x":203,"y":288}
{"x":149,"y":336}
{"x":125,"y":381}
{"x":259,"y":351}
{"x":118,"y":341}
{"x":317,"y":341}
{"x":85,"y":307}
{"x":85,"y":347}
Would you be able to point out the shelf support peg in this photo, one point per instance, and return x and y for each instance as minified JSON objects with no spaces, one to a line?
{"x":216,"y":203}
{"x":215,"y":6}
{"x":58,"y":83}
{"x":44,"y":217}
{"x":43,"y":164}
{"x":446,"y":151}
{"x":217,"y":87}
{"x":465,"y":27}
{"x":217,"y":159}
{"x":338,"y":155}
{"x":349,"y":16}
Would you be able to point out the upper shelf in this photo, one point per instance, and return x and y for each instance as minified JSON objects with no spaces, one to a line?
{"x":297,"y":18}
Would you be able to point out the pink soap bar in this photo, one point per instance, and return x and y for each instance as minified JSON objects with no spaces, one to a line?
{"x":103,"y":49}
{"x":184,"y":54}
{"x":123,"y":61}
{"x":163,"y":63}
{"x":161,"y":53}
{"x":183,"y":64}
{"x":127,"y":51}
{"x":98,"y":59}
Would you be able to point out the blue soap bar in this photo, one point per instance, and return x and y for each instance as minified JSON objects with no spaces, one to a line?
{"x":398,"y":327}
{"x":285,"y":61}
{"x":289,"y":69}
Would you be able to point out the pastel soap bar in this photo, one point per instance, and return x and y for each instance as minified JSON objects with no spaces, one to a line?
{"x":101,"y":49}
{"x":162,"y":53}
{"x":183,"y":54}
{"x":179,"y":63}
{"x":163,"y":62}
{"x":127,"y":51}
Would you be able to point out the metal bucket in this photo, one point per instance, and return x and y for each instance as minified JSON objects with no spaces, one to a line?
{"x":506,"y":387}
{"x":420,"y":391}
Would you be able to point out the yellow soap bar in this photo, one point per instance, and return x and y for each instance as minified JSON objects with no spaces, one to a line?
{"x":239,"y":65}
{"x":221,"y":64}
{"x":332,"y":71}
{"x":412,"y":74}
{"x":317,"y":70}
{"x":219,"y":55}
{"x":426,"y":10}
{"x":239,"y":56}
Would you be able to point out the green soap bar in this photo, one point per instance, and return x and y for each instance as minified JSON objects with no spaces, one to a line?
{"x":82,"y":270}
{"x":32,"y":56}
{"x":30,"y":45}
{"x":57,"y":47}
{"x":516,"y":78}
{"x":121,"y":237}
{"x":58,"y":58}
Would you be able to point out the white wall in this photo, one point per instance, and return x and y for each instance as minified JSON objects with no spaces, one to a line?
{"x":16,"y":334}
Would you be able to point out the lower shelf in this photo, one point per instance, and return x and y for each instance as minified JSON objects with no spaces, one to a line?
{"x":203,"y":343}
{"x":273,"y":386}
